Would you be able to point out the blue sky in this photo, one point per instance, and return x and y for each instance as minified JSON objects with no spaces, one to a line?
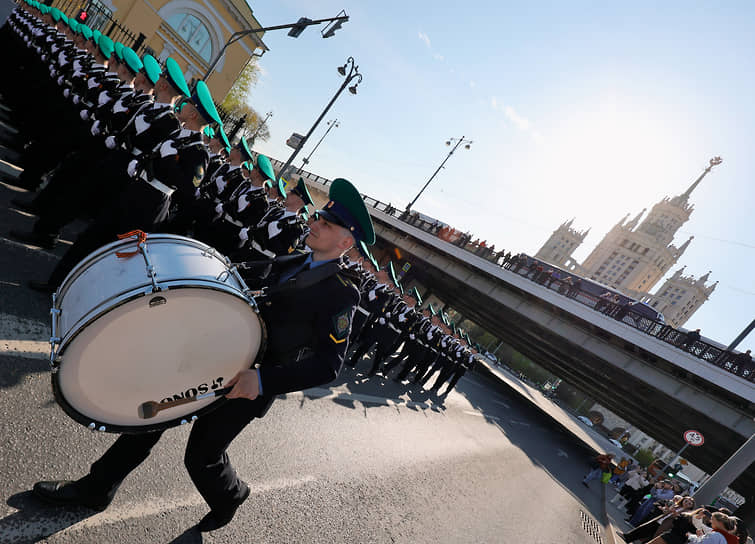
{"x":576,"y":109}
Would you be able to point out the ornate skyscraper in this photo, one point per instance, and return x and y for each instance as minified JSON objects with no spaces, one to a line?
{"x":680,"y":296}
{"x":634,"y":255}
{"x":560,"y":246}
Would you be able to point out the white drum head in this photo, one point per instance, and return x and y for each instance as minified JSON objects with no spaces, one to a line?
{"x":147,"y":350}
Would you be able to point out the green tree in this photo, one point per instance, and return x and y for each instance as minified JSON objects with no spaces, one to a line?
{"x":644,"y":457}
{"x":237,"y":101}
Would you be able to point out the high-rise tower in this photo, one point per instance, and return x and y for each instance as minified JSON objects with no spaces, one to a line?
{"x":680,"y":296}
{"x":560,"y":246}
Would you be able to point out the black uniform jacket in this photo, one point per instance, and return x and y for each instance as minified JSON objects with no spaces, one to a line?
{"x":308,"y":330}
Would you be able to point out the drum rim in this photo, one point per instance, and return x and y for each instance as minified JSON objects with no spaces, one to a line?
{"x":135,"y":293}
{"x":140,"y":429}
{"x":158,"y":237}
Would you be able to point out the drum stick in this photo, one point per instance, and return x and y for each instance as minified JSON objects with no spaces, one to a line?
{"x":150,"y":408}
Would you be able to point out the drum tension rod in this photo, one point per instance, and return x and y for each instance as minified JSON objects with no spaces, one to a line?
{"x":54,"y":339}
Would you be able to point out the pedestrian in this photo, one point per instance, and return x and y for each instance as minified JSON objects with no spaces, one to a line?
{"x":601,"y":465}
{"x":689,"y":340}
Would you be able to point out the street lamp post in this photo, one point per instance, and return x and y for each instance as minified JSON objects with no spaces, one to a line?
{"x":268,"y":115}
{"x":353,"y":73}
{"x":305,"y":160}
{"x":296,"y":29}
{"x":459,"y":141}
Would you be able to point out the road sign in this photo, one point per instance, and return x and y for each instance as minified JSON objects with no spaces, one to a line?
{"x":694,"y":438}
{"x":294,"y":140}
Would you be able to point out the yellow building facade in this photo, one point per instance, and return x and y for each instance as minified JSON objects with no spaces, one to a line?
{"x":193,"y":32}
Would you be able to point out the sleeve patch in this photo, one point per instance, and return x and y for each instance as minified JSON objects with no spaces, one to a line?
{"x":342,"y":324}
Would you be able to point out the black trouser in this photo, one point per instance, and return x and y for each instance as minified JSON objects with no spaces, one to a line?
{"x":206,"y":459}
{"x":457,"y":376}
{"x":642,"y":532}
{"x":439,"y":364}
{"x":445,"y":372}
{"x":421,"y":369}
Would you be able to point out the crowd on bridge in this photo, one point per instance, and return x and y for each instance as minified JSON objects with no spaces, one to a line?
{"x":660,"y":510}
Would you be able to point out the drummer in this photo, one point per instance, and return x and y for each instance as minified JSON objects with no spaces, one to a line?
{"x":308,"y":308}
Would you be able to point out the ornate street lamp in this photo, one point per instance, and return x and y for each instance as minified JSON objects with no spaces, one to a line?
{"x":458,"y":142}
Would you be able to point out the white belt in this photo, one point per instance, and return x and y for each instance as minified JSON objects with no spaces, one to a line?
{"x":233,"y":221}
{"x":265,"y":252}
{"x":159,"y":185}
{"x":362,"y":310}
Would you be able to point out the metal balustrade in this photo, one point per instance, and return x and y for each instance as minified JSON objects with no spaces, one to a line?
{"x":710,"y":353}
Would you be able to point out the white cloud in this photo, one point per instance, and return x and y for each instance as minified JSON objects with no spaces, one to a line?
{"x":472,"y":84}
{"x":522,"y":122}
{"x":438,"y":56}
{"x":425,"y":38}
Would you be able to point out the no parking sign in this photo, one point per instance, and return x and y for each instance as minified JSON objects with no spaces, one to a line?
{"x":694,"y":438}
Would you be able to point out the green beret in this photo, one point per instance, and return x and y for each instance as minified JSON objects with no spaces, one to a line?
{"x":209,"y":132}
{"x":247,"y":165}
{"x":73,"y":25}
{"x":55,"y":14}
{"x":151,"y":68}
{"x":66,"y":20}
{"x":281,"y":186}
{"x":220,"y":133}
{"x":132,"y":60}
{"x":85,"y":31}
{"x":346,"y":208}
{"x":432,"y":309}
{"x":417,"y":296}
{"x":118,"y":48}
{"x":265,"y":166}
{"x":106,"y":46}
{"x":302,"y":190}
{"x":96,"y":34}
{"x":176,"y":77}
{"x":202,"y":100}
{"x":243,"y":146}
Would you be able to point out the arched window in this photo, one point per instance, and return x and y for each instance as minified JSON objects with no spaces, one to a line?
{"x":193,"y":32}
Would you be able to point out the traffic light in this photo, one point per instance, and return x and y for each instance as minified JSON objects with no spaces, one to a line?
{"x":82,"y":16}
{"x":299,"y":27}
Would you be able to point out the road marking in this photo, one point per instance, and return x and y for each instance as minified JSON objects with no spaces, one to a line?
{"x":21,"y":337}
{"x":501,"y":403}
{"x":37,"y":250}
{"x":479,"y":414}
{"x":522,"y":423}
{"x":146,"y":507}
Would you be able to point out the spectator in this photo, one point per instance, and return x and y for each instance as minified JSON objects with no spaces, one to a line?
{"x":662,"y":491}
{"x":619,"y":471}
{"x":636,"y":481}
{"x":723,"y":531}
{"x":689,"y":341}
{"x":602,"y":302}
{"x":663,"y":522}
{"x":600,"y":465}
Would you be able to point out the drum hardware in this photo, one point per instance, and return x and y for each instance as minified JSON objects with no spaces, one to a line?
{"x":150,"y":408}
{"x":54,"y":338}
{"x":157,"y":301}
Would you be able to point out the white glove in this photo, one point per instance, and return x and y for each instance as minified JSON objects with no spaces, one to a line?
{"x":381,"y":321}
{"x":387,"y":314}
{"x":429,"y":336}
{"x":167,"y":149}
{"x":76,"y":99}
{"x":401,"y":318}
{"x":66,"y":92}
{"x":95,"y":130}
{"x":244,"y":234}
{"x":131,"y":168}
{"x":411,"y":336}
{"x":44,"y":57}
{"x":110,"y":142}
{"x":60,"y":79}
{"x":84,"y":114}
{"x":197,"y":193}
{"x":371,"y":295}
{"x":219,"y":208}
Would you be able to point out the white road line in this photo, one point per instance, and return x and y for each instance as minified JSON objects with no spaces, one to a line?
{"x":479,"y":414}
{"x":38,"y":250}
{"x":501,"y":403}
{"x":21,"y":337}
{"x":147,"y":507}
{"x":522,"y":423}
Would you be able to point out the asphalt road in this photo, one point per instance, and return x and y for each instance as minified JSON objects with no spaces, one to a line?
{"x":360,"y":461}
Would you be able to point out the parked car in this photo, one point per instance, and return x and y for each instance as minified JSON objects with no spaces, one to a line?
{"x":585,"y":420}
{"x":616,"y":442}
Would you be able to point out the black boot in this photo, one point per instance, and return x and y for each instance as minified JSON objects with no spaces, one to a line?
{"x":66,"y":492}
{"x":214,"y":519}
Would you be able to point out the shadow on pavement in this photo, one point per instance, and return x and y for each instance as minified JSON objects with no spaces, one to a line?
{"x":190,"y":536}
{"x":35,"y":521}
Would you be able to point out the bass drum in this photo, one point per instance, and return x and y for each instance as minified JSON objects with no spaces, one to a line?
{"x":156,"y":320}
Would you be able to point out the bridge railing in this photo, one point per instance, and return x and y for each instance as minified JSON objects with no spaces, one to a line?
{"x":731,"y":362}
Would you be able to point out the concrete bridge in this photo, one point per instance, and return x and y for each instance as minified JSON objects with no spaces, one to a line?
{"x":651,"y":383}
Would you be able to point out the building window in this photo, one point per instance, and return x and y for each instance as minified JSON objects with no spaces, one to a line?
{"x":193,"y":32}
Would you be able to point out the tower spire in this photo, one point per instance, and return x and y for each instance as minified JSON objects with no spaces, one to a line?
{"x":715,"y":161}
